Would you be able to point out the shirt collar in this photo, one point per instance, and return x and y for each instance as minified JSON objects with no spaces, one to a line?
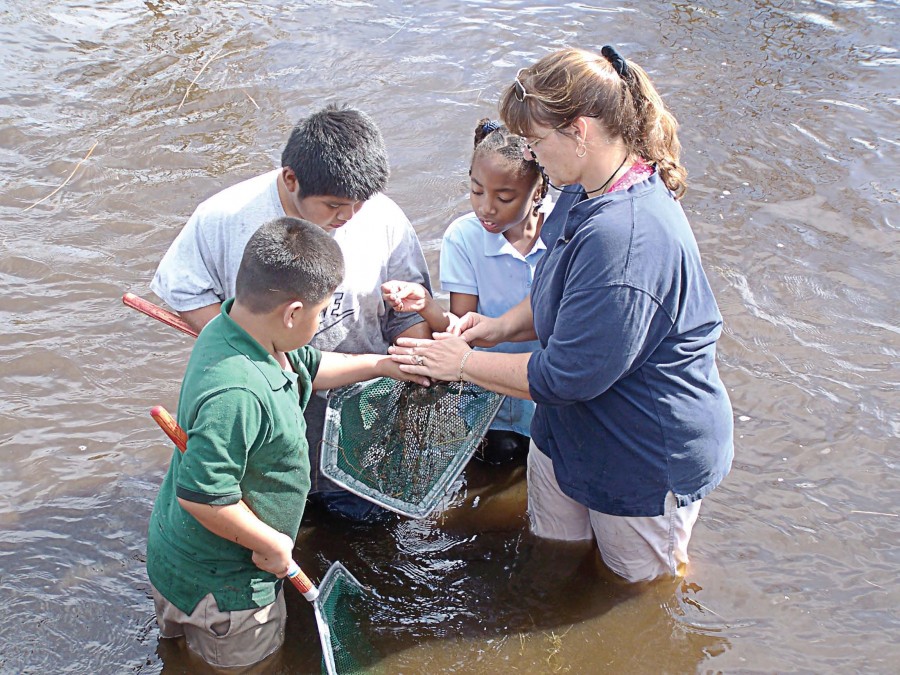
{"x":581,"y":208}
{"x":242,"y":342}
{"x":497,"y":244}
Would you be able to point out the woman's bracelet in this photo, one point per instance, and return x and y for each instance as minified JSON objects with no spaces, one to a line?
{"x":462,"y":364}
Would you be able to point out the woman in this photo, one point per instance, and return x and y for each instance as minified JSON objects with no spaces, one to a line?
{"x":633,"y":426}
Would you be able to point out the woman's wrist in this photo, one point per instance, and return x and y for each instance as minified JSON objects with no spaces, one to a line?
{"x":460,"y":377}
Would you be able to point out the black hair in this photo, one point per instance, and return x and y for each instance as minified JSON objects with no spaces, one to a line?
{"x":337,"y":151}
{"x":493,"y":137}
{"x":288,"y":259}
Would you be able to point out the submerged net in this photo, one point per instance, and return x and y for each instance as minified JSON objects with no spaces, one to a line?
{"x":402,"y":445}
{"x":343,"y":607}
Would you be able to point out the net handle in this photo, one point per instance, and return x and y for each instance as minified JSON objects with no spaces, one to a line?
{"x":158,"y":313}
{"x":168,"y":424}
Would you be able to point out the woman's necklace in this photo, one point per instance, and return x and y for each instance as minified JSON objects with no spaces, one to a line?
{"x":610,"y":179}
{"x":599,"y":189}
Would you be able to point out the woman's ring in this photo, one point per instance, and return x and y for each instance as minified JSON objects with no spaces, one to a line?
{"x":419,"y":360}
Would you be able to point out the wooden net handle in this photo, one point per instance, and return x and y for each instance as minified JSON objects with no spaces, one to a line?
{"x":168,"y":424}
{"x":158,"y":313}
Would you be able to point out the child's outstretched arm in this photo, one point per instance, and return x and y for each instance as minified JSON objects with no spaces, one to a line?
{"x":408,"y":296}
{"x":272,"y":550}
{"x":336,"y":370}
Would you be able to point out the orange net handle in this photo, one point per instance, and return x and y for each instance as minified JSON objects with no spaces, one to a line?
{"x":158,"y":313}
{"x":178,"y":436}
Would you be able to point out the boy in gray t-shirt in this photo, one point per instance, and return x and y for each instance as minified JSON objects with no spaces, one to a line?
{"x":333,"y":170}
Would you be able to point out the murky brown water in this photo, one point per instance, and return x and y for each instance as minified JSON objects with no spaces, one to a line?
{"x":789,"y":115}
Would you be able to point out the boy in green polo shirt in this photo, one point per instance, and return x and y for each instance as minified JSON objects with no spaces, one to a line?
{"x":214,"y":564}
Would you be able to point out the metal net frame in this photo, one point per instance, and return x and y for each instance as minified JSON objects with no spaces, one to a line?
{"x":401,"y":445}
{"x":342,"y":607}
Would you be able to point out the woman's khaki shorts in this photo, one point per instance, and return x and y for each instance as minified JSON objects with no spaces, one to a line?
{"x":224,"y":639}
{"x":635,"y":548}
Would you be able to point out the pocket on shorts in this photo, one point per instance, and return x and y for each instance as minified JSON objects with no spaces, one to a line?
{"x":219,"y":623}
{"x":221,"y":627}
{"x":237,"y":621}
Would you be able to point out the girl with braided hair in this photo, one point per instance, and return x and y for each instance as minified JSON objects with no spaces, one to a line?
{"x":633,"y":426}
{"x":488,"y":258}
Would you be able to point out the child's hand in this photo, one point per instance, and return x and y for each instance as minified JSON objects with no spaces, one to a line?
{"x":476,"y":329}
{"x":405,"y":296}
{"x":392,"y":369}
{"x":276,"y":559}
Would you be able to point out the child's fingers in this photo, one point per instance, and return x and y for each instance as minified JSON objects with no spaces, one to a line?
{"x":394,"y":299}
{"x":400,"y":295}
{"x":454,"y":322}
{"x":407,"y":343}
{"x":412,"y":376}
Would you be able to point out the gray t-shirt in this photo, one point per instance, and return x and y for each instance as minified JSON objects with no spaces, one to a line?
{"x":378,"y":243}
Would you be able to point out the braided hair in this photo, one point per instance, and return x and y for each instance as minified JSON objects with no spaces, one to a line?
{"x":493,"y":137}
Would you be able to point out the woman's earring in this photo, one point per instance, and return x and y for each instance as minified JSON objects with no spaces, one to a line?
{"x":583,"y":148}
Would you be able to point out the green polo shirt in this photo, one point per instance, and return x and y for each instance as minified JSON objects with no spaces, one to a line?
{"x":243,"y":414}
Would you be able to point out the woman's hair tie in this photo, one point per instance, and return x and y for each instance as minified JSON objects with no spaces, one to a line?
{"x":617,"y":62}
{"x":489,"y":126}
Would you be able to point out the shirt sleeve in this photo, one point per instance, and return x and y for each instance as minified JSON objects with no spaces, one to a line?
{"x":307,"y":359}
{"x":187,"y":278}
{"x":600,"y":336}
{"x":230,"y":424}
{"x":310,"y":358}
{"x":406,"y":262}
{"x":457,"y":270}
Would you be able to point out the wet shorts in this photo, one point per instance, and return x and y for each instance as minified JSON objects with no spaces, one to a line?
{"x":635,"y":548}
{"x":224,"y":639}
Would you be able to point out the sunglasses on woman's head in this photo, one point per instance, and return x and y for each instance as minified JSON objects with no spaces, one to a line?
{"x":519,"y":88}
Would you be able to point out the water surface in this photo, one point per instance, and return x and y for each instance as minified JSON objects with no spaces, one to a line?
{"x":789,"y":123}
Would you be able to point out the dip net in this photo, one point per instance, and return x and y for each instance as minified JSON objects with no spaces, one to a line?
{"x":343,"y":607}
{"x":401,"y":445}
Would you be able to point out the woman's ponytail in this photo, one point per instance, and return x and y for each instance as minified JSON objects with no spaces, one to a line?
{"x":655,"y":131}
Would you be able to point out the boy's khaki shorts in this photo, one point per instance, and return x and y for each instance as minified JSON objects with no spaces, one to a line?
{"x":635,"y":548}
{"x":224,"y":639}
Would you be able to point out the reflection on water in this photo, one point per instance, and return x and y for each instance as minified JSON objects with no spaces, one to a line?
{"x":788,"y":113}
{"x":504,"y":597}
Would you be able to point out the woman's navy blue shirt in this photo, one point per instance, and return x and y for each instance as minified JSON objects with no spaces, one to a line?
{"x":629,"y":401}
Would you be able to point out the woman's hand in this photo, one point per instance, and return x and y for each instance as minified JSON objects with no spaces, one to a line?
{"x":405,"y":296}
{"x":276,"y":557}
{"x":476,"y":329}
{"x":438,"y":359}
{"x":391,"y":368}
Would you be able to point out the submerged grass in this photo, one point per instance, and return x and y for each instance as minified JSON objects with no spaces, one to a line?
{"x":68,"y":178}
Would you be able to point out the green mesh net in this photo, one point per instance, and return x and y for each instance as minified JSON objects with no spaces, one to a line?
{"x":401,"y":445}
{"x":343,"y":607}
